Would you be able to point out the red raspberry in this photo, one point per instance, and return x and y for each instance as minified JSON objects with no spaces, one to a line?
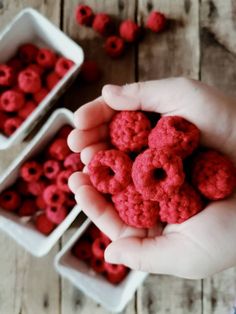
{"x":129,"y":31}
{"x":99,"y":245}
{"x":6,"y":75}
{"x":29,"y":81}
{"x":65,"y":131}
{"x":51,"y":169}
{"x":11,"y":125}
{"x":43,"y":224}
{"x":52,"y":196}
{"x":70,"y":200}
{"x":56,"y":213}
{"x":213,"y":174}
{"x":27,"y":109}
{"x":59,"y":149}
{"x":175,"y":133}
{"x":73,"y":162}
{"x":46,"y":58}
{"x":134,"y":210}
{"x":82,"y":250}
{"x":93,"y":232}
{"x":63,"y":65}
{"x":90,"y":71}
{"x":10,"y":200}
{"x":110,"y":171}
{"x":39,"y":96}
{"x":15,"y":64}
{"x":3,"y":119}
{"x":41,"y":203}
{"x":31,"y":171}
{"x":12,"y":100}
{"x":22,"y":187}
{"x":27,"y":52}
{"x":52,"y":79}
{"x":157,"y":174}
{"x":84,"y":15}
{"x":181,"y":205}
{"x":37,"y":187}
{"x":28,"y":208}
{"x":156,"y":22}
{"x":102,"y":24}
{"x":114,"y":46}
{"x":36,"y":68}
{"x":115,"y":273}
{"x":62,"y":180}
{"x":129,"y":131}
{"x":98,"y":264}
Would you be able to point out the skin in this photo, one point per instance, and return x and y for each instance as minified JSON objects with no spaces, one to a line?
{"x":202,"y":245}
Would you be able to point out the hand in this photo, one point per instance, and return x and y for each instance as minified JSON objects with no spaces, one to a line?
{"x":202,"y":245}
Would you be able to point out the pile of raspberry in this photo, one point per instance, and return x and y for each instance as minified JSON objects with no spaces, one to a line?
{"x":159,"y":173}
{"x":25,"y":80}
{"x":128,"y":31}
{"x":90,"y":249}
{"x":41,"y":194}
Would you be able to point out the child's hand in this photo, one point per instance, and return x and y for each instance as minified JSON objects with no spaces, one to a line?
{"x":204,"y":244}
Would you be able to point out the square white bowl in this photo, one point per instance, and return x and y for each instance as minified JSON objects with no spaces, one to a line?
{"x":30,"y":26}
{"x":112,"y":297}
{"x":23,"y":232}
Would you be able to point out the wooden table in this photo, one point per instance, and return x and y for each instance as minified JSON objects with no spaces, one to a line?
{"x":201,"y":44}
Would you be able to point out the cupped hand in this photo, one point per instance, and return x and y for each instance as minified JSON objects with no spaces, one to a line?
{"x":202,"y":245}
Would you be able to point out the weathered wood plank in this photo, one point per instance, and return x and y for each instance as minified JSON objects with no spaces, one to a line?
{"x":175,"y":52}
{"x":28,"y":285}
{"x":218,"y":63}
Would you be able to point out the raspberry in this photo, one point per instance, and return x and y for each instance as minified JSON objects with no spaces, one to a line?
{"x":31,"y":171}
{"x":156,"y":22}
{"x":176,"y":134}
{"x":98,"y":264}
{"x":46,"y":58}
{"x":6,"y":75}
{"x":82,"y":250}
{"x":63,"y":65}
{"x":43,"y":224}
{"x":41,"y":203}
{"x":102,"y":24}
{"x":10,"y":200}
{"x":28,"y":208}
{"x":62,"y":180}
{"x":51,"y":169}
{"x":40,"y":95}
{"x":52,"y":79}
{"x":110,"y":171}
{"x":11,"y":125}
{"x":129,"y":131}
{"x":134,"y":210}
{"x":22,"y":187}
{"x":56,"y":213}
{"x":52,"y":196}
{"x":93,"y":232}
{"x":27,"y":109}
{"x":12,"y":100}
{"x":15,"y":64}
{"x":36,"y":68}
{"x":65,"y":131}
{"x":29,"y":81}
{"x":115,"y":273}
{"x":114,"y":46}
{"x":129,"y":31}
{"x":70,"y":200}
{"x":36,"y":187}
{"x":27,"y":52}
{"x":157,"y":174}
{"x":59,"y":149}
{"x":181,"y":205}
{"x":84,"y":15}
{"x":99,"y":245}
{"x":90,"y":71}
{"x":73,"y":162}
{"x":213,"y":174}
{"x":3,"y":119}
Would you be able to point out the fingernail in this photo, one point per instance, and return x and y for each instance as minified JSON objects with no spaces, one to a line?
{"x":112,"y":89}
{"x":111,"y":256}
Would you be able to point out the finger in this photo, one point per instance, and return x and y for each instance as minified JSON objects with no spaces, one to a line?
{"x":77,"y":179}
{"x":92,"y":114}
{"x":103,"y":214}
{"x":79,"y":139}
{"x":89,"y":151}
